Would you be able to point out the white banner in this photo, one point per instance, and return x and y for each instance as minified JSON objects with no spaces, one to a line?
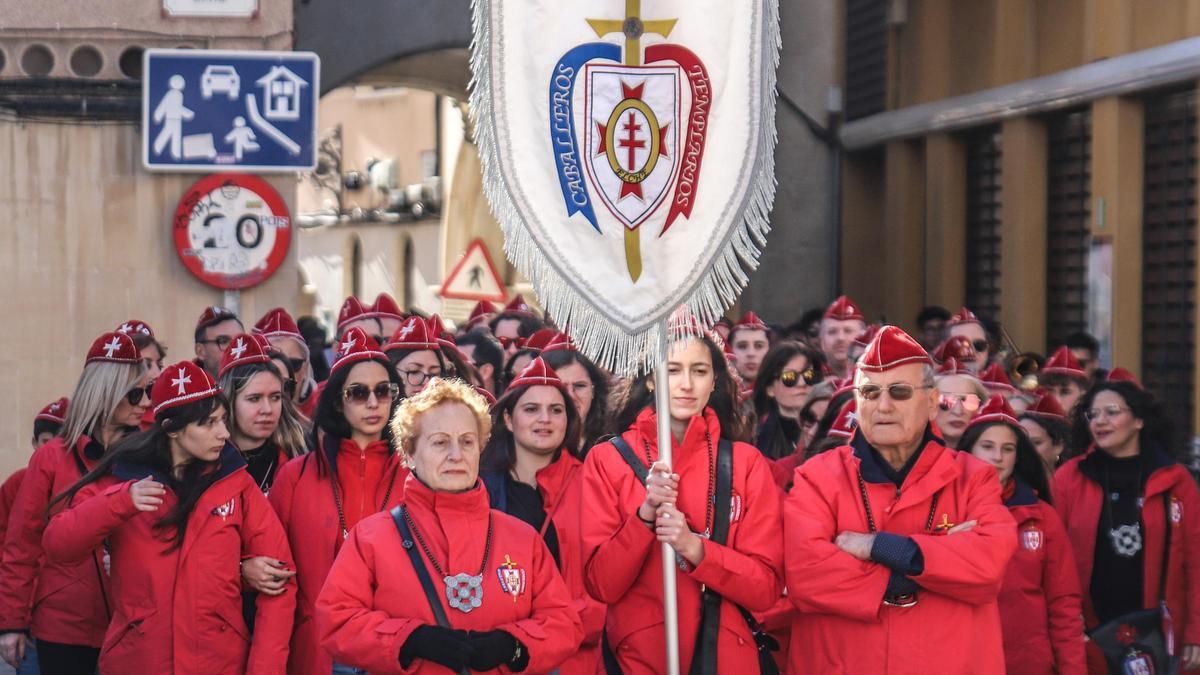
{"x":628,"y":154}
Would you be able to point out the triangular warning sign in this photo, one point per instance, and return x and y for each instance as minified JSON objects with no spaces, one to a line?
{"x":475,"y":277}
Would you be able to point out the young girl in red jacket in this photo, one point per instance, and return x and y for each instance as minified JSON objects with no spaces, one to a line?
{"x":531,"y":472}
{"x":350,"y":474}
{"x":65,"y":605}
{"x":1039,"y":600}
{"x":1118,"y":542}
{"x":177,"y":511}
{"x":625,"y":521}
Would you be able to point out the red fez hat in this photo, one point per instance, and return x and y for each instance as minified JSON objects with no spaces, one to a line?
{"x":844,"y":309}
{"x":995,"y":410}
{"x":749,"y":321}
{"x":443,"y":338}
{"x":951,"y":366}
{"x":1063,"y":362}
{"x":518,"y":306}
{"x":351,"y":310}
{"x":114,"y":348}
{"x":55,"y":412}
{"x":214,"y":315}
{"x":355,"y":346}
{"x":481,"y":312}
{"x":846,"y":422}
{"x":963,"y":316}
{"x":244,"y":349}
{"x":278,"y":323}
{"x":864,"y":338}
{"x":537,"y":373}
{"x":994,"y":378}
{"x":892,"y":348}
{"x":412,"y":334}
{"x":184,"y":382}
{"x":540,"y":338}
{"x":956,"y":347}
{"x":135,"y":326}
{"x":385,"y":307}
{"x":560,"y":342}
{"x":1046,"y":406}
{"x":1121,"y":375}
{"x":437,"y":328}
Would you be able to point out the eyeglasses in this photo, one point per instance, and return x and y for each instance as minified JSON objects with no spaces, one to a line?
{"x":790,"y":378}
{"x":898,"y":391}
{"x":1108,"y":412}
{"x":221,"y":341}
{"x":969,"y":402}
{"x":135,"y":396}
{"x":417,"y":378}
{"x":980,"y":345}
{"x":579,"y":388}
{"x":361,"y":393}
{"x":506,"y":341}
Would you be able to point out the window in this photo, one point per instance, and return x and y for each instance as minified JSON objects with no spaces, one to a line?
{"x":1068,"y":231}
{"x":866,"y":60}
{"x":983,"y":222}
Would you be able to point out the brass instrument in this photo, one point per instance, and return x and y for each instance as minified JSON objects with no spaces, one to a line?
{"x":1021,"y":367}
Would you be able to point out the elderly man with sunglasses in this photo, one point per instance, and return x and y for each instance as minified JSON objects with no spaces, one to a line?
{"x":896,"y":545}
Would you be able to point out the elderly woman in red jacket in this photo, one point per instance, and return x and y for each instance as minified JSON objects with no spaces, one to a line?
{"x":1039,"y":600}
{"x":493,"y":598}
{"x":625,"y":520}
{"x":179,"y":512}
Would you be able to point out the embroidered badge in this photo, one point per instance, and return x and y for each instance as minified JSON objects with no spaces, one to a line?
{"x":1176,"y":511}
{"x":735,"y":507}
{"x":1137,"y":662}
{"x":225,"y":510}
{"x":1031,"y":539}
{"x":512,"y":578}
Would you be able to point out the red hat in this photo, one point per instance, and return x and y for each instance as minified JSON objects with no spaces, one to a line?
{"x":560,"y":342}
{"x":482,"y":310}
{"x":351,"y":310}
{"x":749,"y":321}
{"x":412,"y":334}
{"x":114,"y":348}
{"x":278,"y":323}
{"x":487,"y":395}
{"x":844,"y":309}
{"x":537,"y":373}
{"x":437,"y":328}
{"x":864,"y":338}
{"x":184,"y":382}
{"x":963,"y":316}
{"x":1063,"y":362}
{"x":242,"y":350}
{"x":995,"y":410}
{"x":385,"y":307}
{"x":540,"y":338}
{"x":846,"y":422}
{"x":956,"y":347}
{"x":951,"y":366}
{"x":892,"y":348}
{"x":214,"y":315}
{"x":1119,"y":374}
{"x":994,"y":377}
{"x":518,"y":306}
{"x":1046,"y":406}
{"x":443,"y":337}
{"x":135,"y":326}
{"x":54,"y":412}
{"x":355,"y":346}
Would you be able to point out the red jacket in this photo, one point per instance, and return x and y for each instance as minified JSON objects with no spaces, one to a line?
{"x":373,"y":600}
{"x":1039,"y":601}
{"x":561,"y":487}
{"x":624,"y":558}
{"x":302,"y":495}
{"x":843,"y":624}
{"x":179,"y":610}
{"x":58,"y":602}
{"x":8,"y":495}
{"x":1078,"y":497}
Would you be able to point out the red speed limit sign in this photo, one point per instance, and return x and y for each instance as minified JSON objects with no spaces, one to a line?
{"x":232,"y":230}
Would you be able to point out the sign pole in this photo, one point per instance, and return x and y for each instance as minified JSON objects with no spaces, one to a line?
{"x":233,"y":302}
{"x":662,"y":407}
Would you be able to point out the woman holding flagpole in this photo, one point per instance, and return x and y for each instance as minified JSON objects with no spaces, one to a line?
{"x":718,"y":508}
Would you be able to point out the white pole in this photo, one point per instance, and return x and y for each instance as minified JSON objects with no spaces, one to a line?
{"x":233,"y":302}
{"x":662,"y":397}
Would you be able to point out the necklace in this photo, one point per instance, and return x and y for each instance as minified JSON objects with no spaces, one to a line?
{"x":862,"y":490}
{"x":337,"y":500}
{"x":464,"y":591}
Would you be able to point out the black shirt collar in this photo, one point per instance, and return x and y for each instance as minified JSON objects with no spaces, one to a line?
{"x":872,"y":465}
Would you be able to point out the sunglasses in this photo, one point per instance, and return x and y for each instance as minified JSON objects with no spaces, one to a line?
{"x":289,"y":387}
{"x":980,"y":345}
{"x":361,"y":393}
{"x":506,"y":341}
{"x":296,"y":364}
{"x":135,"y":396}
{"x":970,"y":402}
{"x":790,"y":378}
{"x":417,"y":378}
{"x":898,"y":391}
{"x":1108,"y":412}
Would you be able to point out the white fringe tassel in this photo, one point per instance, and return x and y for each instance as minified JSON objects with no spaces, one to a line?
{"x":594,"y":334}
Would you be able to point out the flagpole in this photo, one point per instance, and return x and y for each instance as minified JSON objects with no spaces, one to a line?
{"x":662,"y":396}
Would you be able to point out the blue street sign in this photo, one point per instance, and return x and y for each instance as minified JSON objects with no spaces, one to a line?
{"x":205,"y":110}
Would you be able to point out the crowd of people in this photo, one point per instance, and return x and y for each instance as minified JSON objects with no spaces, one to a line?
{"x":843,"y":497}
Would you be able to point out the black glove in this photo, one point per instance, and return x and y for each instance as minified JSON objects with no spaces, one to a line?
{"x":495,"y":648}
{"x":448,"y":647}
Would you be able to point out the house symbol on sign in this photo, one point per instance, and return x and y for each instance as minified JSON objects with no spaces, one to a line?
{"x":281,"y":93}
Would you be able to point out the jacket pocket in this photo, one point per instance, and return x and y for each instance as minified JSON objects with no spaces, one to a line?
{"x":233,"y":624}
{"x":126,"y":629}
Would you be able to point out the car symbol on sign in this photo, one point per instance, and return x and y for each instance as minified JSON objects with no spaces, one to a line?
{"x":220,"y":79}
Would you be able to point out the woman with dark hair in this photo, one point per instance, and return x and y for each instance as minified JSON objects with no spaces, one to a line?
{"x":729,"y":553}
{"x":588,"y":387}
{"x":64,"y":605}
{"x":350,"y":473}
{"x":1122,"y":438}
{"x":532,"y":472}
{"x":1046,"y":424}
{"x":415,"y":356}
{"x":1039,"y":599}
{"x":788,"y":373}
{"x":177,"y":511}
{"x":820,"y":439}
